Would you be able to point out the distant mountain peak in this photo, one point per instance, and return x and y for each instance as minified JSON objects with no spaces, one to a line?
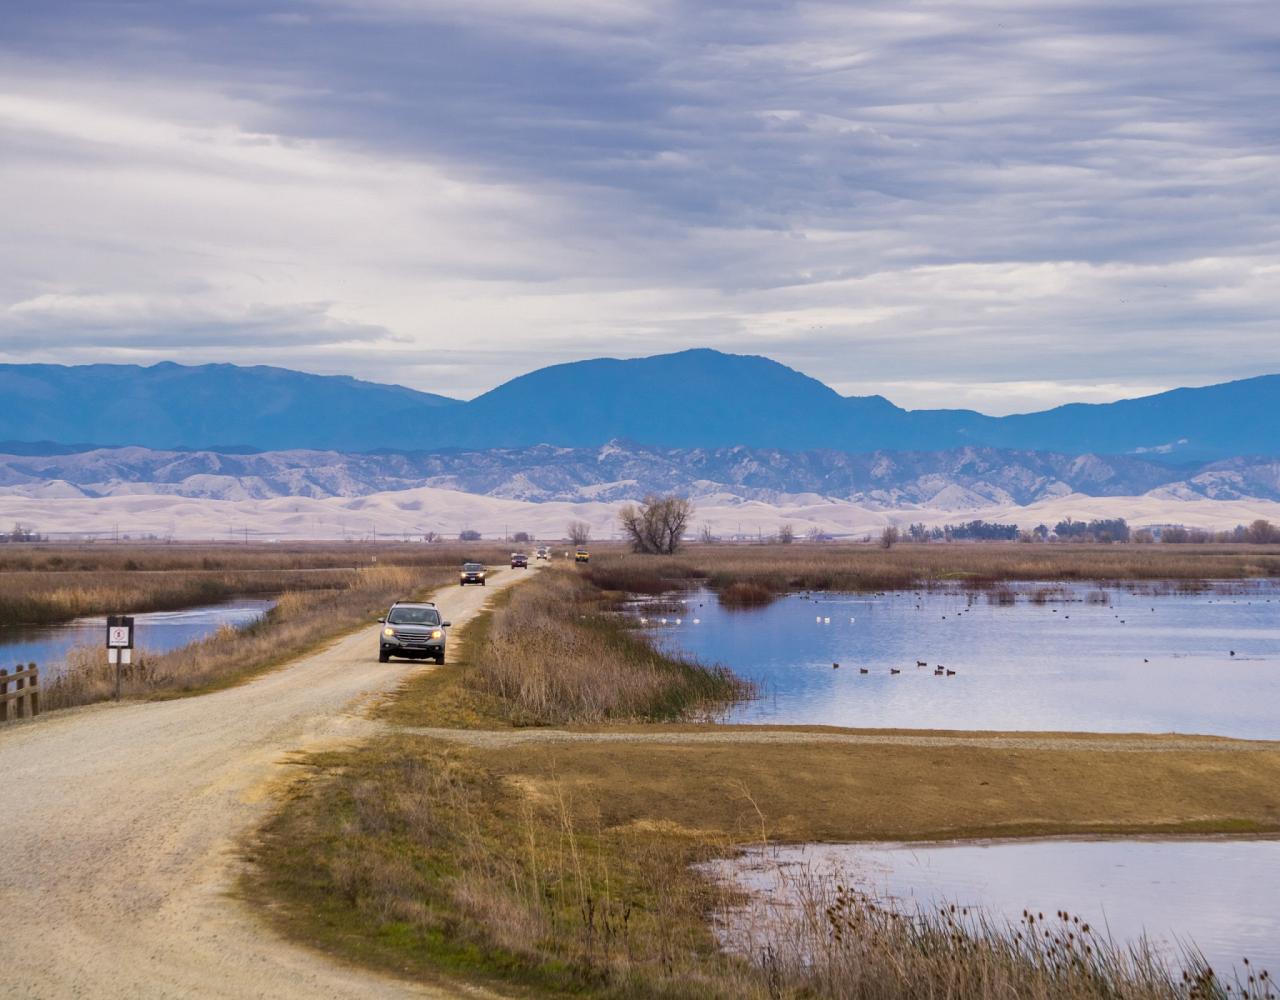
{"x":700,"y":398}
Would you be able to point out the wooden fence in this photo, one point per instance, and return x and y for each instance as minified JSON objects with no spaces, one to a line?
{"x":26,"y":693}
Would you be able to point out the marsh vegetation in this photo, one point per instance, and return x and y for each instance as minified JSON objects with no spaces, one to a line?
{"x":750,"y":575}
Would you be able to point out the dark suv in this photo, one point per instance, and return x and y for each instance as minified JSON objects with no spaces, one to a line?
{"x":412,"y":629}
{"x":471,"y":573}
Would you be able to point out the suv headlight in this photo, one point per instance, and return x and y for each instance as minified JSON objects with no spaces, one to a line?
{"x":389,"y":632}
{"x":437,"y":634}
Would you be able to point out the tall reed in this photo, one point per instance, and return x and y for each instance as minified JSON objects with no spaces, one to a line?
{"x":557,"y":654}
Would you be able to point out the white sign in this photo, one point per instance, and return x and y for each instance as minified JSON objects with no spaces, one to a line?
{"x":118,"y":636}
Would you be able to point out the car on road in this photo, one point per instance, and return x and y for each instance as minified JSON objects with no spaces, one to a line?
{"x":414,"y":630}
{"x":581,"y":556}
{"x":519,"y":560}
{"x":471,"y":573}
{"x":543,"y":553}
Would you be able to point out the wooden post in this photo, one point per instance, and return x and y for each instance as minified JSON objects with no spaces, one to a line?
{"x":4,"y":690}
{"x":35,"y":689}
{"x":18,"y":687}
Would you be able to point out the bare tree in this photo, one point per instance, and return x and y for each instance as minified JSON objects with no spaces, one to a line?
{"x":888,"y":537}
{"x":706,"y":537}
{"x":657,"y":524}
{"x":579,"y":532}
{"x":786,"y":534}
{"x":1262,"y":532}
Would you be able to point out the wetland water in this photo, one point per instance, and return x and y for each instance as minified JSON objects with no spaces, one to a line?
{"x":1219,"y":894}
{"x":155,"y":632}
{"x":1144,"y":661}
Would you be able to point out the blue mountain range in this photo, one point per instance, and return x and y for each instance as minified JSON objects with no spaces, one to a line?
{"x":692,"y":399}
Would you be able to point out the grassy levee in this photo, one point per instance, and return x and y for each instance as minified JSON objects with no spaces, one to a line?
{"x":749,"y":575}
{"x":566,"y":866}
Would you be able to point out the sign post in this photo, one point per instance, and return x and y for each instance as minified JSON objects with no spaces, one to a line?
{"x":119,"y":643}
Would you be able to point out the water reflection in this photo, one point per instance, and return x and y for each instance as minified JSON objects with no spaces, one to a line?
{"x":1141,"y":662}
{"x":156,"y":632}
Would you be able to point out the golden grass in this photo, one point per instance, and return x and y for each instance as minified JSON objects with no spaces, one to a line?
{"x":45,"y":584}
{"x":838,"y":792}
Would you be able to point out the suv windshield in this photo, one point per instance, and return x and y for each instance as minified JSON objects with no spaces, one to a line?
{"x":414,"y":616}
{"x":472,"y":567}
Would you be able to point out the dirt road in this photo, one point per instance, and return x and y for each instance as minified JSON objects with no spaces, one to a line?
{"x":118,"y":826}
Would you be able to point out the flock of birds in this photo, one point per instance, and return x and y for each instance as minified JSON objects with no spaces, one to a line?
{"x":939,"y":670}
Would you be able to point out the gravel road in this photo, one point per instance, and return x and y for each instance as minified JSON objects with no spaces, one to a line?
{"x":120,"y":822}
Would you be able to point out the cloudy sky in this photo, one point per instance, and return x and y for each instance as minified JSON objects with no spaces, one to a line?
{"x":1003,"y":205}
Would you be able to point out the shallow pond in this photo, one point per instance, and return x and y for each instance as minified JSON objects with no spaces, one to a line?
{"x":1218,"y":894}
{"x":1143,"y":661}
{"x":155,"y":632}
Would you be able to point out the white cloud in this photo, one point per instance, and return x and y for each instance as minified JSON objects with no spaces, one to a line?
{"x":1027,"y":199}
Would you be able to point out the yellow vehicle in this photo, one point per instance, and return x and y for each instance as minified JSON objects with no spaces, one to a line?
{"x":582,"y":555}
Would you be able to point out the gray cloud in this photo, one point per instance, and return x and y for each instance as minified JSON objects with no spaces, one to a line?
{"x":1046,"y":195}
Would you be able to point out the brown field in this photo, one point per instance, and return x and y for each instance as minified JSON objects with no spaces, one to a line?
{"x":42,"y":584}
{"x":750,"y":574}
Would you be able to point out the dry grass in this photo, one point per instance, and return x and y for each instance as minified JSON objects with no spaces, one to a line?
{"x":46,"y":584}
{"x":299,"y":621}
{"x":827,"y":791}
{"x":779,"y":569}
{"x":427,"y":858}
{"x":838,"y":943}
{"x":429,"y":864}
{"x":556,"y":653}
